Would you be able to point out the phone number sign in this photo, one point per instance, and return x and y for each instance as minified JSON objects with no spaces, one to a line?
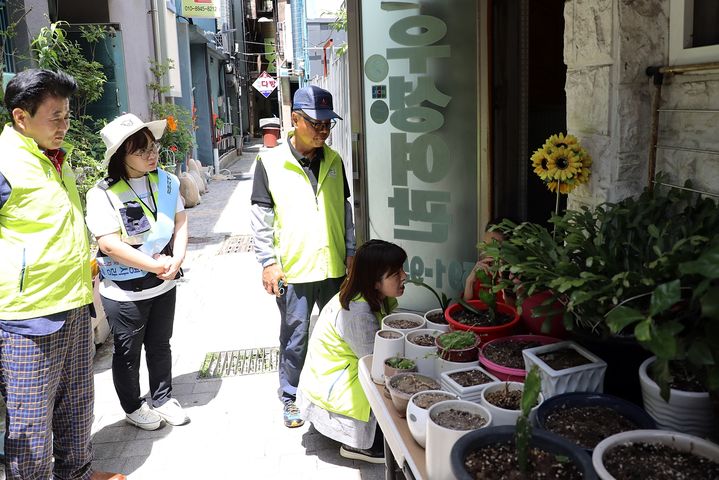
{"x":265,"y":84}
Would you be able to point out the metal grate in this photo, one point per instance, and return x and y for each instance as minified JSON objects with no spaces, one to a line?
{"x":236,"y":244}
{"x":234,"y":363}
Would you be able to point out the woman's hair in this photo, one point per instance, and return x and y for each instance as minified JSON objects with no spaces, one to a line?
{"x":372,"y":261}
{"x":139,"y":140}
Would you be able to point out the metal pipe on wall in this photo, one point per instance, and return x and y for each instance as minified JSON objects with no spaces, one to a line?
{"x":155,"y":15}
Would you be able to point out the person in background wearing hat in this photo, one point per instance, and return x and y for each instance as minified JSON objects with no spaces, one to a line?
{"x":303,"y":231}
{"x":46,"y":350}
{"x":140,"y":224}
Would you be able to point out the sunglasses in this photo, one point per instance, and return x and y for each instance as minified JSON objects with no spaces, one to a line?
{"x":319,"y":126}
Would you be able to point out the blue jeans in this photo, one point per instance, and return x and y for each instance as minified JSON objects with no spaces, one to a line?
{"x":295,"y":310}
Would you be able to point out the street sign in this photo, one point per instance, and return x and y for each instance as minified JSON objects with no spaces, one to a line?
{"x":265,"y":84}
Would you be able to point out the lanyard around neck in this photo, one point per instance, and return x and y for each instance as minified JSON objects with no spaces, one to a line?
{"x":149,"y":193}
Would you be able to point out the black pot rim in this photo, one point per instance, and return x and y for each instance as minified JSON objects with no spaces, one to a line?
{"x":540,"y":438}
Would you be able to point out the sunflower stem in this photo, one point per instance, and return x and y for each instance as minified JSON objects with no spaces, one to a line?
{"x":556,"y":209}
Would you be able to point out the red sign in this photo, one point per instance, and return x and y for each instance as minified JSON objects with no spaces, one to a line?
{"x":265,"y":84}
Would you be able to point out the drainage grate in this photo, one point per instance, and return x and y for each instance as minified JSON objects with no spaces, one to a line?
{"x":236,"y":244}
{"x":233,"y":363}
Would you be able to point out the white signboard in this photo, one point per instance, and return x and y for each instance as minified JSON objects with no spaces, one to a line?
{"x":420,"y":96}
{"x":265,"y":84}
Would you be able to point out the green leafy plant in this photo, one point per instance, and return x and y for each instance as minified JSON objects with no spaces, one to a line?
{"x":457,"y":340}
{"x":530,"y":395}
{"x":443,"y":300}
{"x":400,"y":363}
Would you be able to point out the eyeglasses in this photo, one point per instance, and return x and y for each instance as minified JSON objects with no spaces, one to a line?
{"x":319,"y":126}
{"x":153,"y":148}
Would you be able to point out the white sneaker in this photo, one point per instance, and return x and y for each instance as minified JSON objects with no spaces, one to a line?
{"x":172,"y":413}
{"x":144,"y":418}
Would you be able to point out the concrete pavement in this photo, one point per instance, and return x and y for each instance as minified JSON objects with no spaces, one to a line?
{"x":236,"y":430}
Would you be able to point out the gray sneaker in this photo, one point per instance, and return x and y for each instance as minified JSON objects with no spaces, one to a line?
{"x":172,"y":413}
{"x":144,"y":418}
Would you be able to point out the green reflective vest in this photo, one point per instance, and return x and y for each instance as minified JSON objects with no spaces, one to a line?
{"x":309,"y":229}
{"x":45,"y":267}
{"x":330,"y":376}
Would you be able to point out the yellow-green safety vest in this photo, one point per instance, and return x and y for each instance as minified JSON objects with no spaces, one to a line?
{"x":45,"y":267}
{"x":330,"y":376}
{"x":309,"y":229}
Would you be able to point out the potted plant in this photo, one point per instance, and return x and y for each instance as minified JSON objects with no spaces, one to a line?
{"x":402,"y":322}
{"x":420,"y":346}
{"x":417,"y":409}
{"x":673,"y":455}
{"x":503,"y":400}
{"x":566,"y":367}
{"x":403,"y":385}
{"x":467,"y":383}
{"x":455,"y":350}
{"x":487,"y":318}
{"x":518,"y":451}
{"x":587,"y":418}
{"x":387,"y":343}
{"x":434,"y":318}
{"x":503,"y":358}
{"x":447,"y":422}
{"x":395,"y":365}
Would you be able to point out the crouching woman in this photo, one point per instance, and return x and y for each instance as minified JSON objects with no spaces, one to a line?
{"x":329,"y":393}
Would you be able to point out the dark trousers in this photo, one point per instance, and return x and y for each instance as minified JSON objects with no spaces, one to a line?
{"x":134,"y":324}
{"x":48,"y":387}
{"x":295,"y":311}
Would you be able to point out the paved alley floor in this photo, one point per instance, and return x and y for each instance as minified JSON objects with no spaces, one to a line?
{"x":236,"y":430}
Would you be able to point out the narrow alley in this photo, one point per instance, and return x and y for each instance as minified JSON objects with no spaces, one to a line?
{"x":236,"y":429}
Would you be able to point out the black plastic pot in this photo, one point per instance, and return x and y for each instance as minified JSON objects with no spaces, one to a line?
{"x":627,"y":409}
{"x":540,"y":439}
{"x":623,"y":355}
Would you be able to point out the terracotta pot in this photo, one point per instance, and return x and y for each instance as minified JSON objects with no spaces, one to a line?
{"x":468,"y":354}
{"x":485,"y":333}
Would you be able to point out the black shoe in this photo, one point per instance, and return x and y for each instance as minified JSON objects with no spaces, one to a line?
{"x":291,"y":415}
{"x":370,"y":455}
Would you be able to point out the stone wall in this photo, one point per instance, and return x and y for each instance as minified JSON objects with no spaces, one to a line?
{"x":608,"y":45}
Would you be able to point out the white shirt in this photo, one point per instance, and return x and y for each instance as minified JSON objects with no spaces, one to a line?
{"x":102,"y":220}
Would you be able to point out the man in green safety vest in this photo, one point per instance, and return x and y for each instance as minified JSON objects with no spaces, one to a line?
{"x":304,"y":235}
{"x":46,"y":349}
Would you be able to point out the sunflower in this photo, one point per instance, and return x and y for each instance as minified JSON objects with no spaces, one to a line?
{"x":560,"y":140}
{"x":564,"y":187}
{"x":563,"y":164}
{"x":539,"y":162}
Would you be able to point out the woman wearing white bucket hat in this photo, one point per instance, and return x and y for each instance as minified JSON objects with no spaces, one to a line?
{"x":140,"y":224}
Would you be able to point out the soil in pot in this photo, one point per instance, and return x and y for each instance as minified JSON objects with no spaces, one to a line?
{"x":424,"y":340}
{"x":411,"y":384}
{"x":682,"y":377}
{"x":508,"y":353}
{"x":484,"y":318}
{"x":564,"y":358}
{"x":505,"y":398}
{"x":426,"y":400}
{"x":499,"y":462}
{"x":437,"y":317}
{"x":658,"y":462}
{"x":389,"y":334}
{"x":400,"y":323}
{"x":587,"y":426}
{"x":459,"y":419}
{"x":469,"y":378}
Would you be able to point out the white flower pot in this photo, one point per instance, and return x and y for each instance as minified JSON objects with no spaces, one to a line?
{"x":413,"y":317}
{"x":686,"y":412}
{"x":582,"y":378}
{"x":679,"y":441}
{"x":442,"y":327}
{"x":473,"y":393}
{"x":503,"y":416}
{"x":442,"y":365}
{"x":417,"y":416}
{"x":440,"y":440}
{"x":385,"y":348}
{"x":423,"y":356}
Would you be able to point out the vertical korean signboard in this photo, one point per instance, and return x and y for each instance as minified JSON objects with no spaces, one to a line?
{"x":420,"y":97}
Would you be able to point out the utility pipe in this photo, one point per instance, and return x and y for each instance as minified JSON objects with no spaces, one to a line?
{"x":327,"y":45}
{"x":155,"y":15}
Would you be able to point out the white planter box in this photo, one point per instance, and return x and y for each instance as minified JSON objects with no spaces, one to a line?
{"x":472,"y":393}
{"x":417,"y":416}
{"x":413,"y":317}
{"x":442,"y":365}
{"x":443,"y":327}
{"x":504,"y":416}
{"x":583,"y":378}
{"x":423,"y":356}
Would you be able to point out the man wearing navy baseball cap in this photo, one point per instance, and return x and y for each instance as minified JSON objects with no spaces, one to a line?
{"x":303,"y":229}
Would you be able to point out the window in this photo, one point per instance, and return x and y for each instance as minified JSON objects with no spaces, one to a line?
{"x":693,"y":31}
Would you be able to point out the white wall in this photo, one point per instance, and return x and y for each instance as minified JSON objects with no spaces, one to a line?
{"x":317,"y":8}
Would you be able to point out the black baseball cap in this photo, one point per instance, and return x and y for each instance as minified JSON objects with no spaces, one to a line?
{"x":315,"y":102}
